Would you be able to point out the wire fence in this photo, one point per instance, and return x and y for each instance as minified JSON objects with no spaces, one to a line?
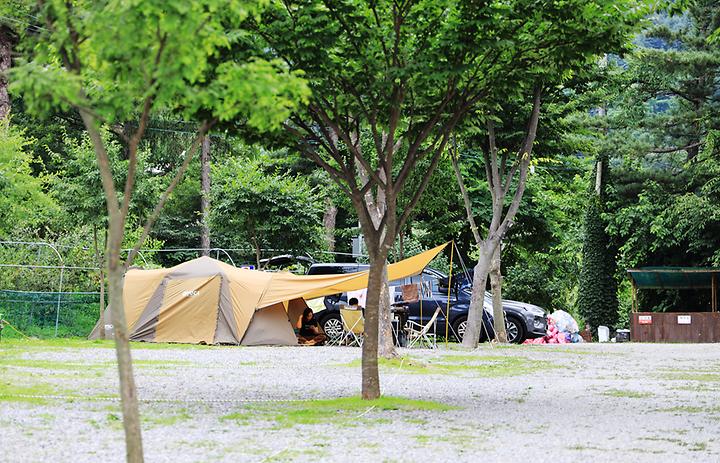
{"x":47,"y":314}
{"x":52,"y":289}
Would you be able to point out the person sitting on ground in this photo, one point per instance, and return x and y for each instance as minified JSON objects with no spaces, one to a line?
{"x":309,"y":332}
{"x":355,"y":305}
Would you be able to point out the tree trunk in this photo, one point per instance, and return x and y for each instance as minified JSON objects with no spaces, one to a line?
{"x":258,"y":252}
{"x":370,"y":375}
{"x":475,"y":323}
{"x":101,"y":265}
{"x":205,"y":195}
{"x":401,"y":246}
{"x":386,"y":346}
{"x":329,"y":218}
{"x":496,"y":286}
{"x":5,"y":62}
{"x":128,"y":392}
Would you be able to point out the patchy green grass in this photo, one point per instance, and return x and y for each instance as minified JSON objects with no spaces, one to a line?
{"x":582,"y":448}
{"x":165,"y":418}
{"x":487,"y":366}
{"x":83,"y":343}
{"x":574,"y":349}
{"x":10,"y":392}
{"x":85,"y":368}
{"x":688,"y":375}
{"x":55,"y":343}
{"x":347,"y":411}
{"x":697,"y":447}
{"x":627,"y":394}
{"x":680,"y":409}
{"x":295,"y":455}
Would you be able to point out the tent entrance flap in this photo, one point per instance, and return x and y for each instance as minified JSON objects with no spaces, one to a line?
{"x":270,"y":326}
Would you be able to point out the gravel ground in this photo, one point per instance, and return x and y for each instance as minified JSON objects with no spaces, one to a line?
{"x":610,"y":402}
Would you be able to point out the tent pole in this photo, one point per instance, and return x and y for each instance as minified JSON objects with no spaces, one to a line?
{"x":447,"y":307}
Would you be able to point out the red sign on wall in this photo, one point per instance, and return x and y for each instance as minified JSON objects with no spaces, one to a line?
{"x":645,"y":319}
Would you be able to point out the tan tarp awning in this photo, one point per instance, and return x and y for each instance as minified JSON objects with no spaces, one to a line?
{"x":287,"y":286}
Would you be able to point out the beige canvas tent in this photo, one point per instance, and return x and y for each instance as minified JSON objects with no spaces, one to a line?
{"x":207,"y":301}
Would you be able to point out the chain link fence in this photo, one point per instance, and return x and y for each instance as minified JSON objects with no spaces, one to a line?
{"x":46,"y":314}
{"x":52,"y":289}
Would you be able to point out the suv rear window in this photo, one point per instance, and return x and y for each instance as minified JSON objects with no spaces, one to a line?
{"x":335,"y":269}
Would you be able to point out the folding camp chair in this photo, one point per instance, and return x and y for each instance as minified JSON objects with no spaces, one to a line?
{"x":419,"y":334}
{"x":354,"y":326}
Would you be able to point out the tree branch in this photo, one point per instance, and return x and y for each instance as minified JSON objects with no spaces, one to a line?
{"x":680,"y":148}
{"x":202,"y":131}
{"x":465,"y":196}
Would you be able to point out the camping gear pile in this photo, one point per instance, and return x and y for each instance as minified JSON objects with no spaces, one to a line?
{"x":562,"y":329}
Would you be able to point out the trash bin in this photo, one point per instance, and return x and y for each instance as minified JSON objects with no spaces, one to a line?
{"x":622,"y":336}
{"x":603,"y":333}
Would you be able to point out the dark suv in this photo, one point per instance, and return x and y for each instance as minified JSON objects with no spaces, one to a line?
{"x":522,"y":320}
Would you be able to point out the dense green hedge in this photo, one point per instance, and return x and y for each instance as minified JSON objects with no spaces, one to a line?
{"x":597,"y":298}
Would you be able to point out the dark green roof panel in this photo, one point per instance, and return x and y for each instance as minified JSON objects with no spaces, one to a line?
{"x":674,"y":277}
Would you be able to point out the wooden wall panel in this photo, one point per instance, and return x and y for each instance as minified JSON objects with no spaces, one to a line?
{"x":703,"y":327}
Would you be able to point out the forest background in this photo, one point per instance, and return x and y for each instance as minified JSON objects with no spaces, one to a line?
{"x":652,"y":117}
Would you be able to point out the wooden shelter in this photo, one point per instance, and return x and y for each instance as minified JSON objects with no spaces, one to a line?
{"x":686,"y":326}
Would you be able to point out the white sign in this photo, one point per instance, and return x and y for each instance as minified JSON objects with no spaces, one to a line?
{"x":684,"y":319}
{"x":192,"y":293}
{"x":645,"y":319}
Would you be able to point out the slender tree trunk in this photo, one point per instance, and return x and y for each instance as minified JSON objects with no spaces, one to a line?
{"x":386,"y":346}
{"x":128,"y":392}
{"x":100,"y":262}
{"x":257,"y":251}
{"x":329,"y":218}
{"x":205,"y":195}
{"x":377,"y":207}
{"x":496,"y":286}
{"x":6,"y":43}
{"x":370,"y":374}
{"x":474,"y":323}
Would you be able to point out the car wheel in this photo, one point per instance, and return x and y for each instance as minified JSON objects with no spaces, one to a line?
{"x":333,"y":327}
{"x":460,"y":325}
{"x":515,"y":330}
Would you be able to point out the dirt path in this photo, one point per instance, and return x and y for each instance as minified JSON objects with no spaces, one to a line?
{"x":625,"y":402}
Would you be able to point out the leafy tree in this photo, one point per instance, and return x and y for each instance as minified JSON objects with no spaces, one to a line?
{"x":661,"y":126}
{"x":23,"y":202}
{"x":403,"y":75}
{"x":672,"y":103}
{"x":166,"y":57}
{"x":15,"y":19}
{"x":256,"y":210}
{"x":578,"y":34}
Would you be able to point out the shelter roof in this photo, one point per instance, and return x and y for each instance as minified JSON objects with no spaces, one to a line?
{"x":674,"y":277}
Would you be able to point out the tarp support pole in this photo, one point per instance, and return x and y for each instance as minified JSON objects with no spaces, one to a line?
{"x":447,"y":307}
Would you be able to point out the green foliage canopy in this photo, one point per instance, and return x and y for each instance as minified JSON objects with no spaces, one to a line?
{"x":255,"y":210}
{"x":23,"y":202}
